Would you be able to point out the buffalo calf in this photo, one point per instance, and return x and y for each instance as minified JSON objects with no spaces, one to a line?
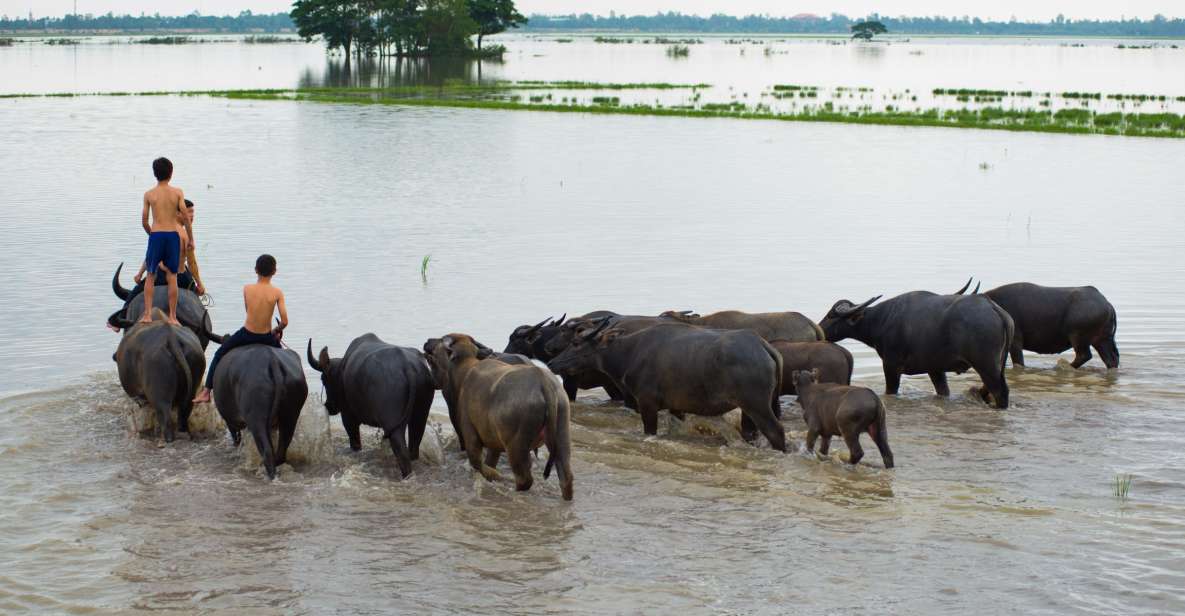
{"x":841,"y":410}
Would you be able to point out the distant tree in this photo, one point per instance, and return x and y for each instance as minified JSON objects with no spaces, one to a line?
{"x":447,"y":26}
{"x":339,"y":22}
{"x":494,"y":16}
{"x":865,"y":30}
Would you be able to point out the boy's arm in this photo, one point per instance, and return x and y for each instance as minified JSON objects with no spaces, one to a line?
{"x":140,"y":274}
{"x":191,"y":258}
{"x":283,"y":310}
{"x":144,"y":216}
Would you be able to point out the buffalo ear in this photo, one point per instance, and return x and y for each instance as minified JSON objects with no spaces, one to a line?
{"x":610,"y":336}
{"x":323,"y":359}
{"x":484,"y":352}
{"x":816,"y":375}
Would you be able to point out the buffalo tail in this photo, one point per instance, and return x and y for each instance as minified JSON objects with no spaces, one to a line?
{"x":880,"y":435}
{"x":558,"y":440}
{"x":186,"y":399}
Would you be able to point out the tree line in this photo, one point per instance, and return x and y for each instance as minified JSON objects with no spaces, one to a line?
{"x":245,"y":21}
{"x":433,"y":18}
{"x":1159,"y":26}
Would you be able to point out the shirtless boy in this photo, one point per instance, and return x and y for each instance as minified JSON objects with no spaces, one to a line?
{"x":167,"y":205}
{"x":261,"y":300}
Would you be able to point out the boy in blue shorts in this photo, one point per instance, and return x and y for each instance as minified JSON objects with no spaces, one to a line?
{"x":167,"y":205}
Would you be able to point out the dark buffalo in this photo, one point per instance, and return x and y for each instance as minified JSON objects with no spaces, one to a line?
{"x":841,"y":410}
{"x":792,"y":326}
{"x":261,"y":388}
{"x":549,"y":338}
{"x":161,"y":365}
{"x":686,"y":369}
{"x":190,"y":311}
{"x":833,"y":362}
{"x":1053,"y":319}
{"x":925,"y":333}
{"x":593,"y":379}
{"x":448,"y":389}
{"x":380,"y":385}
{"x":529,"y":340}
{"x":508,"y":408}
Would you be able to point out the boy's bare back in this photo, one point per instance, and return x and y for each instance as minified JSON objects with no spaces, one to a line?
{"x":261,"y":300}
{"x":166,"y":204}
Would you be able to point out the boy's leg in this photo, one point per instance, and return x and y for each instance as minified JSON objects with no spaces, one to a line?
{"x":172,"y":278}
{"x":149,"y":285}
{"x":228,"y":343}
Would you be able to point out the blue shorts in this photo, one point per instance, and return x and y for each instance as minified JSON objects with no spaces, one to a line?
{"x":163,"y":247}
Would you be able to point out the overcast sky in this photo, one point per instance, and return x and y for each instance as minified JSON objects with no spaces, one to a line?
{"x":990,"y":9}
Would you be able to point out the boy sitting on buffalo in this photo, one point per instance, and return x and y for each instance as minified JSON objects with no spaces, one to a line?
{"x":261,"y":300}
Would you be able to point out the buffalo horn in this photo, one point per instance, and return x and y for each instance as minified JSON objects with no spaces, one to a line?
{"x":312,"y":360}
{"x":976,"y":291}
{"x":965,"y":287}
{"x":120,"y":292}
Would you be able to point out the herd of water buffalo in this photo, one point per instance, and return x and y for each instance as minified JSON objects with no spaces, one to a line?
{"x":680,"y":362}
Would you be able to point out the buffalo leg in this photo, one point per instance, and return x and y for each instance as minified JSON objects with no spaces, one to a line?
{"x":1017,"y":350}
{"x":416,"y":427}
{"x":492,"y":457}
{"x":473,"y":447}
{"x":1081,"y":352}
{"x":570,"y":388}
{"x":399,"y":448}
{"x":236,"y":437}
{"x":940,"y":386}
{"x":1108,"y":351}
{"x":649,"y":412}
{"x":768,"y":424}
{"x":811,"y":436}
{"x":352,"y":430}
{"x":263,"y":442}
{"x":855,"y":452}
{"x":824,"y":445}
{"x":995,"y":387}
{"x":287,"y":431}
{"x":520,"y":463}
{"x":892,"y":379}
{"x":748,"y":429}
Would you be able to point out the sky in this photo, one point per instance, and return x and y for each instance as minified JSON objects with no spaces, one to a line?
{"x":1040,"y":10}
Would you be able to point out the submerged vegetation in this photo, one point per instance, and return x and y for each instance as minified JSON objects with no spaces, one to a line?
{"x":1123,"y":485}
{"x":678,"y":51}
{"x":6,"y":42}
{"x":167,"y":40}
{"x":783,"y":102}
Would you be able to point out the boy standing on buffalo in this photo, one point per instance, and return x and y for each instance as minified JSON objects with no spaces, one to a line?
{"x":167,"y":205}
{"x":261,"y":300}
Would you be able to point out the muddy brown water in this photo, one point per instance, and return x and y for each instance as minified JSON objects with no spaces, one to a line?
{"x":528,"y":215}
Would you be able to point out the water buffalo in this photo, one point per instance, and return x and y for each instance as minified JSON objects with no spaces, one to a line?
{"x":792,"y":326}
{"x":161,"y":365}
{"x":686,"y":369}
{"x":833,"y":362}
{"x":1054,"y":319}
{"x":261,"y":388}
{"x":925,"y":333}
{"x":545,"y":340}
{"x":440,"y":376}
{"x":380,"y":385}
{"x":841,"y":410}
{"x":508,"y":408}
{"x":190,"y":311}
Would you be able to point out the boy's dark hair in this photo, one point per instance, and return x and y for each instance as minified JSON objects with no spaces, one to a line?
{"x":265,"y":265}
{"x":162,"y":168}
{"x":189,"y":204}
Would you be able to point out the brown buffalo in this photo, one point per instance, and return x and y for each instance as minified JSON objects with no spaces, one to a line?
{"x":507,"y":408}
{"x":792,"y":326}
{"x":833,"y":362}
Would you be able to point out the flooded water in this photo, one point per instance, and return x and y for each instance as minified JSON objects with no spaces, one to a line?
{"x":527,"y":215}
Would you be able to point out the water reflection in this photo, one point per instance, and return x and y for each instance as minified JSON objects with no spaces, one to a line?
{"x":377,"y":72}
